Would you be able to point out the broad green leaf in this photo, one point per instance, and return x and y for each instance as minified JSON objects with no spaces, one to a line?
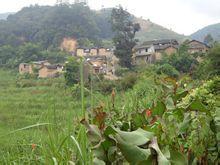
{"x":112,"y":153}
{"x":138,"y":120}
{"x":162,"y":160}
{"x":133,"y":154}
{"x":166,"y":152}
{"x":177,"y":158}
{"x":93,"y":132}
{"x":99,"y":153}
{"x":180,"y":95}
{"x":109,"y":131}
{"x":107,"y":143}
{"x":159,"y":109}
{"x":169,"y":103}
{"x":197,"y":105}
{"x":179,"y":113}
{"x":185,"y":124}
{"x":138,"y":137}
{"x":97,"y":161}
{"x":149,"y":161}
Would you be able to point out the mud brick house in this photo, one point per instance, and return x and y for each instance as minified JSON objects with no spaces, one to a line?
{"x":42,"y":68}
{"x":50,"y":71}
{"x":151,"y":51}
{"x":195,"y":46}
{"x":82,"y":52}
{"x":29,"y":67}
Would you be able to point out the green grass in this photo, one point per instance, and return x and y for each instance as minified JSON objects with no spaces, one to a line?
{"x":49,"y":103}
{"x":22,"y":107}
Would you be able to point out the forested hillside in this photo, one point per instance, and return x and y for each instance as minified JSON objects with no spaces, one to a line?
{"x":214,"y":30}
{"x":151,"y":31}
{"x":49,"y":25}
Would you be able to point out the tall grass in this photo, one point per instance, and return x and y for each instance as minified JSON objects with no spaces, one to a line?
{"x":63,"y":140}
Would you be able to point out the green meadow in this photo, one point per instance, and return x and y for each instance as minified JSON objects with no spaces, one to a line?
{"x":34,"y":115}
{"x":44,"y":122}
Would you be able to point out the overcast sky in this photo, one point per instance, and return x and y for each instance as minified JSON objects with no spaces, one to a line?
{"x":182,"y":16}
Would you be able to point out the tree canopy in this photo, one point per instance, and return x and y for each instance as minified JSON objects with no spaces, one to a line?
{"x":124,"y":39}
{"x":49,"y":25}
{"x":11,"y":57}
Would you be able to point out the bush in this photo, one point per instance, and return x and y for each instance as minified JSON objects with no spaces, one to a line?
{"x":106,"y":86}
{"x":127,"y":81}
{"x":168,"y":70}
{"x":121,"y":71}
{"x":72,"y":72}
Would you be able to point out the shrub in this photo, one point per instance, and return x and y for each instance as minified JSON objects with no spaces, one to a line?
{"x":168,"y":70}
{"x":106,"y":86}
{"x":72,"y":72}
{"x":127,"y":81}
{"x":121,"y":71}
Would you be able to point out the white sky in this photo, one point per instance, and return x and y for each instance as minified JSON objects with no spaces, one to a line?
{"x":182,"y":16}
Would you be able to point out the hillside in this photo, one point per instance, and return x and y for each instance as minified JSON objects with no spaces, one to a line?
{"x":50,"y":25}
{"x":214,"y":30}
{"x":151,"y":31}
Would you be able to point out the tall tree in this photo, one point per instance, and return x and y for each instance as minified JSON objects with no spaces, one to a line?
{"x":124,"y":39}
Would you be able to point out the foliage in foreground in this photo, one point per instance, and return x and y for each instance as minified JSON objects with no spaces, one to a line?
{"x":181,"y":127}
{"x":171,"y":123}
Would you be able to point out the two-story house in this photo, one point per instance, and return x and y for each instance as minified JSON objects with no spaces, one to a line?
{"x":195,"y":46}
{"x":150,"y":51}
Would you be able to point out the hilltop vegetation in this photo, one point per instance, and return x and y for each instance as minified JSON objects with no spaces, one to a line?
{"x":213,"y":30}
{"x":151,"y":31}
{"x":48,"y":25}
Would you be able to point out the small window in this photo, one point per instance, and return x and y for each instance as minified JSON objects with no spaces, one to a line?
{"x":146,"y":50}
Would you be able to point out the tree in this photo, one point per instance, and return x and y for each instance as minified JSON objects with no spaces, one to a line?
{"x":181,"y":61}
{"x":124,"y":39}
{"x":7,"y":56}
{"x":208,"y":39}
{"x":29,"y":52}
{"x":214,"y":57}
{"x":72,"y":73}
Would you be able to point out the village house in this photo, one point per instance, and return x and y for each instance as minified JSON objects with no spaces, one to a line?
{"x":82,"y":52}
{"x":29,"y":67}
{"x":99,"y":64}
{"x":42,"y":68}
{"x":50,"y":71}
{"x":151,"y":51}
{"x":101,"y":59}
{"x":195,"y":46}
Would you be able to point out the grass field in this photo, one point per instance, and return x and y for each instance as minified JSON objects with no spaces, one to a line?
{"x":43,"y":114}
{"x":48,"y":105}
{"x":40,"y":118}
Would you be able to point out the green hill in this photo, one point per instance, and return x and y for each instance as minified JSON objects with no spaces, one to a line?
{"x":214,"y":30}
{"x":48,"y":25}
{"x":151,"y":31}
